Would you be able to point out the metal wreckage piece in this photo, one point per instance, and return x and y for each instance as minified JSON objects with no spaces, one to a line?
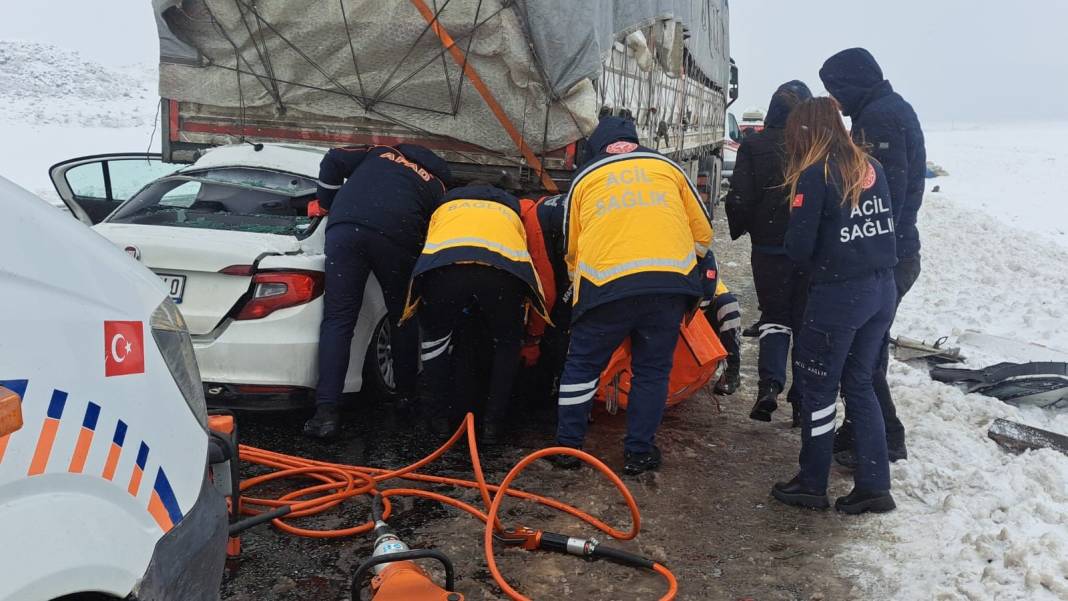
{"x":908,"y":349}
{"x":1042,"y":384}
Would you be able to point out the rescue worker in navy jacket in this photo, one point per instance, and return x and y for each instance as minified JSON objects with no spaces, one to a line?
{"x":635,"y":228}
{"x":885,"y":124}
{"x":380,"y":199}
{"x":475,"y":261}
{"x":757,"y":205}
{"x":842,"y":230}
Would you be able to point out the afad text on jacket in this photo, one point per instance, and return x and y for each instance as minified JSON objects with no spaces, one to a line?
{"x":634,"y":223}
{"x":390,"y":190}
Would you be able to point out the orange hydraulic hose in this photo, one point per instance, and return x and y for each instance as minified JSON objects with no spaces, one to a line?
{"x":338,"y":483}
{"x":483,"y":90}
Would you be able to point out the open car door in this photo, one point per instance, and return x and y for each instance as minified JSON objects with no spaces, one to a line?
{"x":94,"y":186}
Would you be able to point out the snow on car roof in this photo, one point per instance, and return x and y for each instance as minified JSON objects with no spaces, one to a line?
{"x":290,"y":158}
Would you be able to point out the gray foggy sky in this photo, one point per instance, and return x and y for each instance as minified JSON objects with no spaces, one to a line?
{"x":955,"y":60}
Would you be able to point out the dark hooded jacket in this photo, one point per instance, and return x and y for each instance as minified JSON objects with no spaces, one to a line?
{"x":887,"y":126}
{"x":757,"y":202}
{"x":390,"y":190}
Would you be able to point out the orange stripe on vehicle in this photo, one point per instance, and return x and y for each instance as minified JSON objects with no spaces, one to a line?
{"x":112,"y":462}
{"x":159,"y":512}
{"x":44,"y":447}
{"x":135,"y":481}
{"x":3,"y":445}
{"x":81,"y":451}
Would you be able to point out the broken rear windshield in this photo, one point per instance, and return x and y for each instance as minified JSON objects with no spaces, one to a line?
{"x":270,"y":203}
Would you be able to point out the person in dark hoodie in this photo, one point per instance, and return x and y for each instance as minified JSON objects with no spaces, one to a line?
{"x":379,"y":200}
{"x":634,"y":229}
{"x":887,"y":126}
{"x":758,"y":205}
{"x":842,"y":229}
{"x":475,"y":263}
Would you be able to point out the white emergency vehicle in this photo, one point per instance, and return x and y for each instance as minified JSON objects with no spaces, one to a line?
{"x":104,"y":486}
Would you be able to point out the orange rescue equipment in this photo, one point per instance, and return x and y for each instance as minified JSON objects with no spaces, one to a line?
{"x":698,"y":356}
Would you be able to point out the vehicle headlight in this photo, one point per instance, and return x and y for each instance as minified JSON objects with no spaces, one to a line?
{"x":172,"y":338}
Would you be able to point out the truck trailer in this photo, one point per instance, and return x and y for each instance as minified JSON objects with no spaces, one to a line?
{"x":505,"y":90}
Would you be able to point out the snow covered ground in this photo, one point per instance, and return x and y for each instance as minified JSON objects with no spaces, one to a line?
{"x":973,"y":521}
{"x":55,"y":105}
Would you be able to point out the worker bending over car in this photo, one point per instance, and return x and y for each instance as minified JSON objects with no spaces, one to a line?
{"x":380,"y":199}
{"x":634,"y":229}
{"x":475,"y":262}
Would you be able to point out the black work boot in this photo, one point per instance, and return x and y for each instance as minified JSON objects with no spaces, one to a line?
{"x":767,"y":394}
{"x":492,"y":431}
{"x":731,"y":379}
{"x":846,"y":458}
{"x":325,"y":424}
{"x":897,"y":452}
{"x":637,"y":463}
{"x":858,"y":501}
{"x":564,"y":462}
{"x":794,"y":493}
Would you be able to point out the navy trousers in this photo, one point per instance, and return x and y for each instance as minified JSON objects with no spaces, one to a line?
{"x":725,"y":317}
{"x":781,"y":290}
{"x":479,"y":295}
{"x":846,"y":324}
{"x":352,"y":254}
{"x":906,"y":272}
{"x":652,"y":322}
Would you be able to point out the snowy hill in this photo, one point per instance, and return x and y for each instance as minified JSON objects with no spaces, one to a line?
{"x":55,"y":105}
{"x":44,"y":84}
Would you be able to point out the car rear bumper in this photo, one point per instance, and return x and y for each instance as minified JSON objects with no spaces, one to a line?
{"x":188,"y":561}
{"x":281,"y":349}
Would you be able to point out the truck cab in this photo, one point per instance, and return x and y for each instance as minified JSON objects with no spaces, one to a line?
{"x":105,"y":488}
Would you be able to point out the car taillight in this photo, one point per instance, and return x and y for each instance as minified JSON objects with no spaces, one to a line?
{"x":274,"y":290}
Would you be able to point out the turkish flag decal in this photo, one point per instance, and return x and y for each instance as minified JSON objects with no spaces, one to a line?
{"x":124,"y":348}
{"x":799,"y":201}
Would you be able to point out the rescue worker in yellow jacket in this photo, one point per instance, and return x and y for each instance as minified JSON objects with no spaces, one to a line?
{"x":474,"y":265}
{"x":635,"y":231}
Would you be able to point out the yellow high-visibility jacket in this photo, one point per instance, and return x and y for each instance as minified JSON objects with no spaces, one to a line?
{"x":478,"y":224}
{"x":634,"y":225}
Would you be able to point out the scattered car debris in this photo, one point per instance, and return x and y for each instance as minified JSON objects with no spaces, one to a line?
{"x":1017,"y":437}
{"x":1042,"y":384}
{"x":909,"y":349}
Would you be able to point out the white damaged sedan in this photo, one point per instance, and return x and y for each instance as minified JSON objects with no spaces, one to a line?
{"x":231,"y":238}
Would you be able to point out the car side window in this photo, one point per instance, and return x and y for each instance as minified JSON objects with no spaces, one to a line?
{"x":87,"y":181}
{"x":182,"y":196}
{"x":130,"y":175}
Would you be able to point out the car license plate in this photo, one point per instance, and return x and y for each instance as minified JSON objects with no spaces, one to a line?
{"x":175,"y":285}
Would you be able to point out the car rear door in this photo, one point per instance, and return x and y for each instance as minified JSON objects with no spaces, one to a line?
{"x":94,"y":186}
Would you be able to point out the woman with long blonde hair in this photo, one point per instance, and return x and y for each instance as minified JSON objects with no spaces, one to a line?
{"x":841,"y":230}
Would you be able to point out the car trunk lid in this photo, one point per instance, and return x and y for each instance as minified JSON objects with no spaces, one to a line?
{"x":191,"y":263}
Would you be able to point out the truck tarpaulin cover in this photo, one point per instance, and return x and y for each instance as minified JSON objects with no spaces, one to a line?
{"x":382,"y":61}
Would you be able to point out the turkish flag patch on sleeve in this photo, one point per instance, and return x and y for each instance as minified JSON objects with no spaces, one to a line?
{"x":124,"y":348}
{"x":799,"y":200}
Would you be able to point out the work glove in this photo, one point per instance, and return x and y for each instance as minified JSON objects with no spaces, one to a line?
{"x":530,"y":353}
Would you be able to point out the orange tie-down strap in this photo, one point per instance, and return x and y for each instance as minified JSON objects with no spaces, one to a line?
{"x":484,"y":92}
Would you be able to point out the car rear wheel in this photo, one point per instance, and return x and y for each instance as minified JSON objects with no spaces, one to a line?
{"x":378,"y":375}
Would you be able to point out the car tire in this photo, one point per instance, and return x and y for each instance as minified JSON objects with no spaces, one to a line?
{"x":378,"y":373}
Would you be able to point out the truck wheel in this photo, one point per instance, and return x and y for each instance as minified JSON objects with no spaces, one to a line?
{"x":379,"y":378}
